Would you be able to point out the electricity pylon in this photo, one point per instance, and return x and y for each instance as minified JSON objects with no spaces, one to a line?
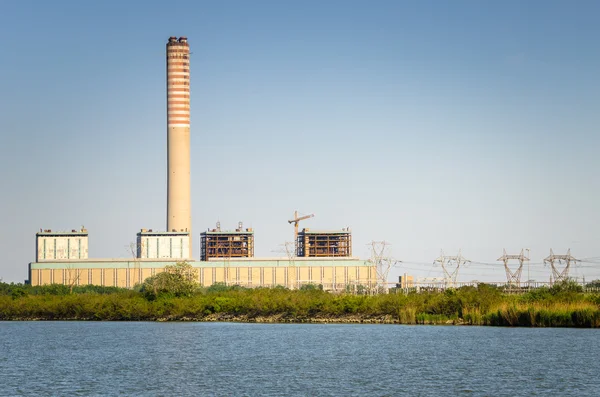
{"x":382,"y":262}
{"x":513,"y":278}
{"x":557,"y":274}
{"x":289,"y":248}
{"x":451,"y":265}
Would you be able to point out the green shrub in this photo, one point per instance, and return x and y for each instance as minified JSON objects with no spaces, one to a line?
{"x":175,"y":281}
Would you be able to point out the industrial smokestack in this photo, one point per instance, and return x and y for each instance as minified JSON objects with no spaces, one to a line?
{"x":179,"y":217}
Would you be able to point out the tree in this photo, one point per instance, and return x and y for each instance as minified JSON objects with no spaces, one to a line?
{"x":176,"y":280}
{"x":593,"y":284}
{"x":73,"y":274}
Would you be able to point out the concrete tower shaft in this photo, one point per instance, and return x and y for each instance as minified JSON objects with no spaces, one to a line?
{"x":179,"y":217}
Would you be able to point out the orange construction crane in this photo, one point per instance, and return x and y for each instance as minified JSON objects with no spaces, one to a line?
{"x":295,"y":222}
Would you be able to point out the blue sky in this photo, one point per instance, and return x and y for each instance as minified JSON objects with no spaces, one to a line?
{"x":432,"y":125}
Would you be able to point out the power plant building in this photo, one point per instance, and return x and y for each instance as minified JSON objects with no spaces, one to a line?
{"x":405,"y":281}
{"x":52,"y":246}
{"x":163,"y":245}
{"x":232,"y":263}
{"x":323,"y":258}
{"x":324,"y":243}
{"x":227,"y":244}
{"x":334,"y":274}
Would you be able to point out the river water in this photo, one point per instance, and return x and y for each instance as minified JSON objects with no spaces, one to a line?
{"x":188,"y":359}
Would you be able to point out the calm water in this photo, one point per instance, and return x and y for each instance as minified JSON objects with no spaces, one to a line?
{"x":151,"y":359}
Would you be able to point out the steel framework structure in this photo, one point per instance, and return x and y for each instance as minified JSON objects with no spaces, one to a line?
{"x":291,"y":272}
{"x":558,"y":274}
{"x":383,"y":263}
{"x":324,"y":244}
{"x":513,"y":278}
{"x":451,"y":265}
{"x":218,"y":244}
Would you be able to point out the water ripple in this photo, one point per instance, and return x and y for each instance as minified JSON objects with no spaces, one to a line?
{"x":188,"y":359}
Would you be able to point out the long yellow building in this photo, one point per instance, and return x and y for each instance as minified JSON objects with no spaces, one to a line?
{"x":334,"y":274}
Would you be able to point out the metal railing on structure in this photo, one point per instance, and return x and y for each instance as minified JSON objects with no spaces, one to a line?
{"x":367,"y":288}
{"x":521,"y":288}
{"x":372,"y":288}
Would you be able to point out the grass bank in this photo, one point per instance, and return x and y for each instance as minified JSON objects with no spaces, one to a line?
{"x":559,"y":306}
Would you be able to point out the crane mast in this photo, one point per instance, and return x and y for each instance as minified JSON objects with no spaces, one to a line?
{"x":295,"y":221}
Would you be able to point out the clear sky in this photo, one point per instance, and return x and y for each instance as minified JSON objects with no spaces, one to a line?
{"x":429,"y":124}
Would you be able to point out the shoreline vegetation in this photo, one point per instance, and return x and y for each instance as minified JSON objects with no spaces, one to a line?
{"x":173,"y":295}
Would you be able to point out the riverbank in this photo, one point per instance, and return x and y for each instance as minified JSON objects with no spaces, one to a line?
{"x":559,"y":306}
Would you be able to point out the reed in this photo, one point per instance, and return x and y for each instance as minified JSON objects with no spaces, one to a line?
{"x":545,"y":314}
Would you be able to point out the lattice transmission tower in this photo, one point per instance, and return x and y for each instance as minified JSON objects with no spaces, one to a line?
{"x":513,"y":277}
{"x":451,"y":264}
{"x":289,"y":249}
{"x":135,"y":248}
{"x":383,"y":263}
{"x":566,"y":260}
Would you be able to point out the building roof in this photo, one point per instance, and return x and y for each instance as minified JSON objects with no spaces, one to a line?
{"x":310,"y":231}
{"x":62,"y":234}
{"x":157,"y":233}
{"x":228,"y":232}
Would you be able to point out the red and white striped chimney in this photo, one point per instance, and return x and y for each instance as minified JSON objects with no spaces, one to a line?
{"x":179,"y":216}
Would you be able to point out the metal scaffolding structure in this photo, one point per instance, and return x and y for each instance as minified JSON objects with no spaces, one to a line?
{"x":324,"y":243}
{"x":513,"y":278}
{"x":451,"y":265}
{"x":566,"y":260}
{"x":227,"y":244}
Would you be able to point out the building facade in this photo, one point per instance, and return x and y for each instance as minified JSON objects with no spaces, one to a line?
{"x":315,"y":243}
{"x":238,"y":243}
{"x":333,"y":274}
{"x":71,"y":245}
{"x":162,"y":245}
